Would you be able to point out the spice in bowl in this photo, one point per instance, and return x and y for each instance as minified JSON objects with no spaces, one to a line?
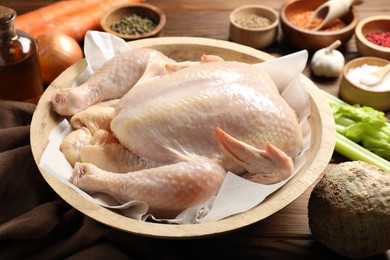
{"x":301,"y":19}
{"x":133,"y":24}
{"x":252,"y":21}
{"x":255,"y":26}
{"x":356,"y":74}
{"x":379,"y":38}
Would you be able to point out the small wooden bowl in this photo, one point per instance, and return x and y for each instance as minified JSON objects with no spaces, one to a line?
{"x":379,"y":23}
{"x":260,"y":37}
{"x":181,"y":49}
{"x":143,"y":10}
{"x":314,"y":40}
{"x":353,"y":94}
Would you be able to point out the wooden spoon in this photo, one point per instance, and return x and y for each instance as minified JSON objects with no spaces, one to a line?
{"x":331,"y":10}
{"x":374,"y":78}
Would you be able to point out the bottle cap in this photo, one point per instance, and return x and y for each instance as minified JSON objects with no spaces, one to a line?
{"x":6,"y":14}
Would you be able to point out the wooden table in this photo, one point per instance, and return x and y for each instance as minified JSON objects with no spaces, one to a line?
{"x":285,"y":234}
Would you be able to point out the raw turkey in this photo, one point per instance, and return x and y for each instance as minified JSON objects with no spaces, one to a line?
{"x":177,"y":128}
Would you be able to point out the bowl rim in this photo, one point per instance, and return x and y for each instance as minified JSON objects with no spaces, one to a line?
{"x":159,"y":27}
{"x":272,"y":11}
{"x":287,"y":194}
{"x":365,"y":58}
{"x":350,"y":27}
{"x":363,"y":39}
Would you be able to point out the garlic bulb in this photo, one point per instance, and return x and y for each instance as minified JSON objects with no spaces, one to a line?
{"x":328,"y":62}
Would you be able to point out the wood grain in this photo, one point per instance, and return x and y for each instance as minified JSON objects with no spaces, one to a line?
{"x":285,"y":234}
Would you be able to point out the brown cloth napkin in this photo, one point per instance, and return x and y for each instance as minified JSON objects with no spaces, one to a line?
{"x":35,"y":223}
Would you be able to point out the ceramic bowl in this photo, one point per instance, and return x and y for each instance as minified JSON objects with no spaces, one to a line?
{"x":257,"y":36}
{"x":183,"y":49}
{"x":314,"y":40}
{"x":145,"y":11}
{"x":368,"y":25}
{"x":352,"y":93}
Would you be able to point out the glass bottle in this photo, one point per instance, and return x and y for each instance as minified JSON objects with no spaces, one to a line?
{"x":20,"y":77}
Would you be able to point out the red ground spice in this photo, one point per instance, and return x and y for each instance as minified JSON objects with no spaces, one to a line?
{"x":379,"y":38}
{"x":300,"y":20}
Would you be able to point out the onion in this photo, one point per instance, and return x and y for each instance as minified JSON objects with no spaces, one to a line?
{"x":56,"y":52}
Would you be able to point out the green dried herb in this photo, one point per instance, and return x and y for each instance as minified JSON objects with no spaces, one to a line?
{"x":133,"y":24}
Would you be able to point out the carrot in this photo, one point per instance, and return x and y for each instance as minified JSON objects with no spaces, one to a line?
{"x":34,"y":20}
{"x":76,"y":23}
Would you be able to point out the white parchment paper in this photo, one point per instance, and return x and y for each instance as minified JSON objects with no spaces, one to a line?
{"x":236,"y":194}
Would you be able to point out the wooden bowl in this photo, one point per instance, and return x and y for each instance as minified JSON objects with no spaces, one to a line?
{"x":149,"y":11}
{"x":314,"y":40}
{"x":380,"y":23}
{"x":258,"y":37}
{"x":180,"y":49}
{"x":354,"y":94}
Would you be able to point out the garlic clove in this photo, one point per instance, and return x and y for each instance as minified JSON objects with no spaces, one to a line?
{"x":328,"y":62}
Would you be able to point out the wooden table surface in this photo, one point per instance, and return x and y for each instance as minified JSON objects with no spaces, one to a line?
{"x":285,"y":234}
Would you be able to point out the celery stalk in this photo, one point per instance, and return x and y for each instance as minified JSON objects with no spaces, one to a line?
{"x":330,"y":98}
{"x":355,"y":151}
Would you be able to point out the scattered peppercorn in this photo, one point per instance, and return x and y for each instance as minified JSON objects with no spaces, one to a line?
{"x":252,"y":21}
{"x":379,"y":38}
{"x":300,"y":20}
{"x":133,"y":24}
